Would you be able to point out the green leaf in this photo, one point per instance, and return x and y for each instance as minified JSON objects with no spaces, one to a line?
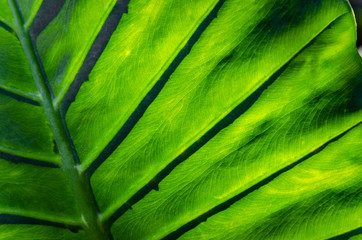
{"x":64,"y":44}
{"x":15,"y":74}
{"x":33,"y":232}
{"x":135,"y":58}
{"x":199,"y":120}
{"x":324,"y":190}
{"x":5,"y":14}
{"x":24,"y":132}
{"x":48,"y":186}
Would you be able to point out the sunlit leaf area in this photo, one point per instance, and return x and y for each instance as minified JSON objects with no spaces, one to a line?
{"x":180,"y":119}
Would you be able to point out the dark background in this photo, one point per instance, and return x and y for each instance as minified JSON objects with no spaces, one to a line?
{"x":357,"y":8}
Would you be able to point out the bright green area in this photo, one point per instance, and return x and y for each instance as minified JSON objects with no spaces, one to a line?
{"x":357,"y":237}
{"x":308,"y":116}
{"x":209,"y":84}
{"x":37,"y":192}
{"x":5,"y":14}
{"x":34,"y":232}
{"x":15,"y":75}
{"x":275,"y":132}
{"x":29,"y":9}
{"x":65,"y":42}
{"x":321,"y":196}
{"x":145,"y":43}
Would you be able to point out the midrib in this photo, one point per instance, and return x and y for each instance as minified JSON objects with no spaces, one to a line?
{"x":84,"y":198}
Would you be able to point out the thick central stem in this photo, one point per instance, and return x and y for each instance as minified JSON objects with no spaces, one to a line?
{"x":83,"y":195}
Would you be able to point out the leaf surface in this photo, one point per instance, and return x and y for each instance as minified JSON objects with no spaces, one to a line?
{"x":200,"y":120}
{"x":206,"y":88}
{"x":5,"y":14}
{"x":24,"y":132}
{"x":29,"y":9}
{"x":324,"y":190}
{"x":142,"y":56}
{"x":14,"y":69}
{"x":33,"y":232}
{"x":248,"y":151}
{"x":65,"y":42}
{"x":55,"y":201}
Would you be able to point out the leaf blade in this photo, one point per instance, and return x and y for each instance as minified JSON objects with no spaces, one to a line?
{"x":25,"y":131}
{"x":328,"y":183}
{"x":191,"y":100}
{"x":65,"y":42}
{"x":15,"y":75}
{"x":316,"y":104}
{"x":132,"y":39}
{"x":41,"y":193}
{"x":33,"y":232}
